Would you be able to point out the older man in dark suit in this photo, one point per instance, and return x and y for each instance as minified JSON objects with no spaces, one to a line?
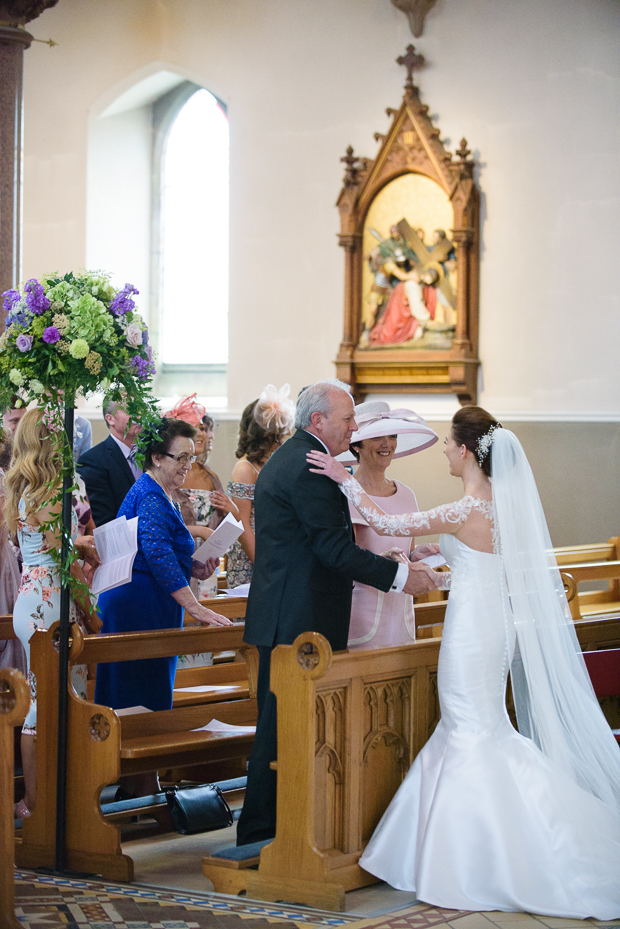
{"x":305,"y":565}
{"x":109,"y":470}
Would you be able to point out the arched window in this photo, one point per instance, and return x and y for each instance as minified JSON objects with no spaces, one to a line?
{"x":194,"y":236}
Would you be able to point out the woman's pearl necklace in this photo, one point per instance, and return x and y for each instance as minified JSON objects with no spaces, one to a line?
{"x":159,"y":483}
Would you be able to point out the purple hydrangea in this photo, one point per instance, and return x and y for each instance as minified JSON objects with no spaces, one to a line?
{"x":24,"y":342}
{"x":51,"y":335}
{"x":145,"y":337}
{"x":143,"y":367}
{"x":10,"y":299}
{"x":36,"y":301}
{"x":122,"y":302}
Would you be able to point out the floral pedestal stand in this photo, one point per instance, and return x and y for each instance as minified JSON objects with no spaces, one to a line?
{"x":65,"y":335}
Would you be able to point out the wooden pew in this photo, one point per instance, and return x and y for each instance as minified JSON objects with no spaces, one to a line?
{"x":588,"y":563}
{"x":14,"y":705}
{"x":104,"y":746}
{"x":349,"y":726}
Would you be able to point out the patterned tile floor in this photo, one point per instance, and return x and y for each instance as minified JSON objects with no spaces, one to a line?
{"x":45,"y":901}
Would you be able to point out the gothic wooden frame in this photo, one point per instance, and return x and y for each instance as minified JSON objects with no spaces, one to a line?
{"x":411,"y":145}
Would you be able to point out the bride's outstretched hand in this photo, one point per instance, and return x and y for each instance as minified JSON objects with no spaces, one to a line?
{"x":325,"y":464}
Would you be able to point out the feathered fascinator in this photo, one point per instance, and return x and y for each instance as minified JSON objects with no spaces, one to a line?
{"x":274,"y":411}
{"x":188,"y":410}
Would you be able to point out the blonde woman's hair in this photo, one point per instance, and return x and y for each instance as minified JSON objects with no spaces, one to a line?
{"x":36,"y":464}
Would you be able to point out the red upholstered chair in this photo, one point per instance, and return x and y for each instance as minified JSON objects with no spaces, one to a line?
{"x":604,"y":670}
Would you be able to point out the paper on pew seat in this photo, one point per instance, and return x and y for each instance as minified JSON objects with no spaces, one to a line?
{"x":206,"y":688}
{"x":216,"y":726}
{"x":241,"y":591}
{"x":131,"y":710}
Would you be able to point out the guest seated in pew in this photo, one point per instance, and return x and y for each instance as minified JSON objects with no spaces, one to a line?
{"x":199,"y":513}
{"x":32,"y":486}
{"x":159,"y":589}
{"x":378,"y":619}
{"x":265,"y":423}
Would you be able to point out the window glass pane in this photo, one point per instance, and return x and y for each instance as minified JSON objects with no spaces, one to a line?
{"x":195,"y":235}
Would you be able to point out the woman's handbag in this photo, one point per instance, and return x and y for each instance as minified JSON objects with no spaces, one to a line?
{"x":198,"y":809}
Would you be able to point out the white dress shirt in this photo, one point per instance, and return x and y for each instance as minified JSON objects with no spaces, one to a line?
{"x":128,"y":453}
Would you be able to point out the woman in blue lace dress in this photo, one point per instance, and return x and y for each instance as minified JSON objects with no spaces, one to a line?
{"x":159,"y":590}
{"x":265,"y":423}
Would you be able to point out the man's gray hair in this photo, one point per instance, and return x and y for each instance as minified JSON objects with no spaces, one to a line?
{"x":317,"y":399}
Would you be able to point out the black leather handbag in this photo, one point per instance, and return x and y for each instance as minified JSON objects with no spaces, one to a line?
{"x":198,"y":809}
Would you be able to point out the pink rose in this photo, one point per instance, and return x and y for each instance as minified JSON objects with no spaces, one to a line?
{"x":133,"y":334}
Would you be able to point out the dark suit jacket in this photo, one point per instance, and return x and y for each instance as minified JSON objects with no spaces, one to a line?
{"x":306,"y":559}
{"x":108,"y":478}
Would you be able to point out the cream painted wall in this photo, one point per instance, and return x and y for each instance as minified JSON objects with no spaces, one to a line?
{"x":533,"y":85}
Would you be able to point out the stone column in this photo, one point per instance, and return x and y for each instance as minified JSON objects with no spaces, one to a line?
{"x":13,"y":41}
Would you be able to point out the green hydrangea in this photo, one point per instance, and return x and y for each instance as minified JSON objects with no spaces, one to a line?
{"x":79,"y":348}
{"x":16,"y":377}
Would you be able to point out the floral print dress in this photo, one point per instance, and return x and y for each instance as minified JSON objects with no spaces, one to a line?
{"x":200,"y":501}
{"x":239,"y":570}
{"x":38,"y":601}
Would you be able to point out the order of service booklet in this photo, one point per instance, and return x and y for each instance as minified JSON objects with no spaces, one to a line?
{"x":220,"y":540}
{"x":117,"y":544}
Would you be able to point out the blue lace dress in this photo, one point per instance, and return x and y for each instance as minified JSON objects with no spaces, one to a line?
{"x":162,"y":565}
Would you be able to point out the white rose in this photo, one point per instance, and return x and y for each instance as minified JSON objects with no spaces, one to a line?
{"x":133,"y":334}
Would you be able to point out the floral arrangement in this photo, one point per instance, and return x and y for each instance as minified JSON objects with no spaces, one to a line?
{"x":73,"y":333}
{"x":70,"y":336}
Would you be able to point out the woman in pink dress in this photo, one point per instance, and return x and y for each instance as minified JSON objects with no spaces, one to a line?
{"x":378,"y":619}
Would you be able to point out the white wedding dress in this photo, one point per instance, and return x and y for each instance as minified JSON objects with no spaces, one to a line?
{"x":484,"y":820}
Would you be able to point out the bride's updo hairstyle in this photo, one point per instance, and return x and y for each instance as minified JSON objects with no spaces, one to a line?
{"x":471,"y":426}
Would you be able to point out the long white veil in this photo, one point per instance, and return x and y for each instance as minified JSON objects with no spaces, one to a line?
{"x":555,"y":703}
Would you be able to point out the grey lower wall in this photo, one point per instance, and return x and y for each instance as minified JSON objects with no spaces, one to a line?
{"x":576,"y":466}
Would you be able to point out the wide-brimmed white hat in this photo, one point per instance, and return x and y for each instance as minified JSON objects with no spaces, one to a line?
{"x":375,"y":418}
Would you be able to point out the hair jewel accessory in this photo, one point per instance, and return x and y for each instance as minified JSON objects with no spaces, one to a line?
{"x":484,"y":443}
{"x":188,"y":410}
{"x":274,"y":411}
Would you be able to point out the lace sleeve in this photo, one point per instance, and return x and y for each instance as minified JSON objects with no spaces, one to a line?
{"x":156,"y":543}
{"x":427,"y":522}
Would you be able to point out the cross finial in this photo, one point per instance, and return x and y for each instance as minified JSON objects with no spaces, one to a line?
{"x":410,"y":61}
{"x":463,"y":151}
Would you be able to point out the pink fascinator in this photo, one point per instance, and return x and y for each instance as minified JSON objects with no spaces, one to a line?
{"x":188,"y":410}
{"x":375,"y":418}
{"x":274,"y":411}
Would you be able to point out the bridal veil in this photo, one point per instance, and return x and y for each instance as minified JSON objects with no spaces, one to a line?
{"x":555,"y":703}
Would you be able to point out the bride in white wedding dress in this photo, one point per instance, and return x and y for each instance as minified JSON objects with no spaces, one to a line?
{"x":489,"y":818}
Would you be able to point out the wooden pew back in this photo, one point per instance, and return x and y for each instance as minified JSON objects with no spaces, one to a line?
{"x":104,"y":745}
{"x":14,"y":705}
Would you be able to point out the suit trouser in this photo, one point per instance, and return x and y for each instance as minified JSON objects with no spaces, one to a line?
{"x":258,"y":816}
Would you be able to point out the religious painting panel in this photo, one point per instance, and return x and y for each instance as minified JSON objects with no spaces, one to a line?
{"x":409,"y":277}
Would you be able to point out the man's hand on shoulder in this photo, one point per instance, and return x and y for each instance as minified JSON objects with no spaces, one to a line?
{"x":421,"y":580}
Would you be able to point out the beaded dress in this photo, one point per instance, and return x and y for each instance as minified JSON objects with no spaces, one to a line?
{"x":239,"y":570}
{"x":162,"y":565}
{"x":483,"y":819}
